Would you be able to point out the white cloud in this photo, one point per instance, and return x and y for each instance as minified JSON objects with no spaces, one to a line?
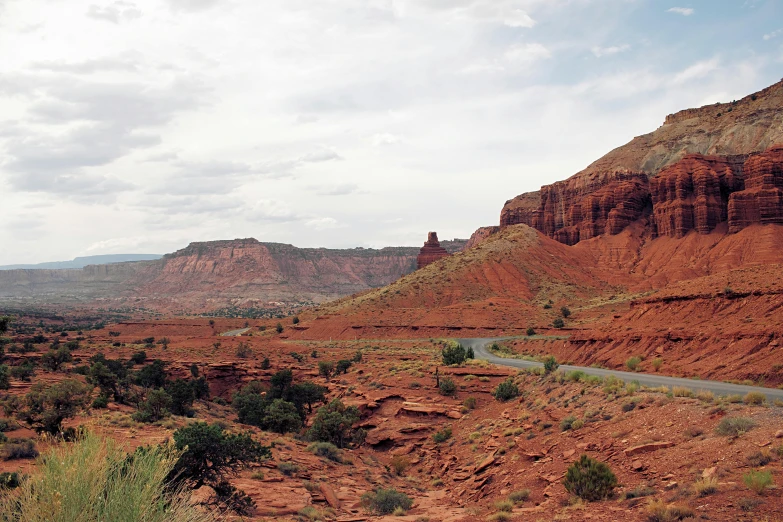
{"x":600,"y":52}
{"x":384,"y":138}
{"x":115,"y":12}
{"x":684,"y":11}
{"x":526,"y":53}
{"x":697,"y":70}
{"x":773,"y":34}
{"x":324,"y":223}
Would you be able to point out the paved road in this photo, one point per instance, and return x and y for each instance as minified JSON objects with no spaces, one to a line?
{"x":234,"y":333}
{"x":645,"y":379}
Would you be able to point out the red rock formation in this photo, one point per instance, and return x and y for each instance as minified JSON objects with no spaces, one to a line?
{"x":693,"y":194}
{"x":431,"y":251}
{"x":762,"y":199}
{"x":583,"y":207}
{"x":480,"y":235}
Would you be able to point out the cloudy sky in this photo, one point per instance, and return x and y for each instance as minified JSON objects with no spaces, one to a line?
{"x":137,"y":126}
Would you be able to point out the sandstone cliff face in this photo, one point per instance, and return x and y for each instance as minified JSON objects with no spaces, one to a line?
{"x":693,"y":173}
{"x":480,"y":235}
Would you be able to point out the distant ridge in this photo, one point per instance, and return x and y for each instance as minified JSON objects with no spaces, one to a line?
{"x":81,"y":262}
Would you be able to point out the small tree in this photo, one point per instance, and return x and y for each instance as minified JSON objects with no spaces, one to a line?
{"x":453,"y":353}
{"x":333,"y":423}
{"x":506,"y":390}
{"x":565,"y":312}
{"x":182,"y":395}
{"x":550,"y":364}
{"x":469,"y":354}
{"x":210,"y":456}
{"x":5,"y":377}
{"x":265,"y":364}
{"x":152,"y":375}
{"x":447,"y":387}
{"x":279,"y":328}
{"x":54,"y":359}
{"x":357,"y":357}
{"x":386,"y":501}
{"x":155,"y":407}
{"x":590,"y":479}
{"x":558,"y":323}
{"x":281,"y":417}
{"x":4,"y":322}
{"x":530,"y":331}
{"x":343,"y":365}
{"x":306,"y":394}
{"x":325,"y":369}
{"x":281,"y":382}
{"x":46,"y":407}
{"x":295,"y":320}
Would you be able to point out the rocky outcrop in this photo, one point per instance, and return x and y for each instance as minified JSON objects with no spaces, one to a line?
{"x":431,"y":251}
{"x":480,"y":235}
{"x":693,"y":194}
{"x":688,"y":174}
{"x":762,"y":199}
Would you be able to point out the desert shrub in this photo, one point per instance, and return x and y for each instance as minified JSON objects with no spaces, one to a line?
{"x":45,"y":407}
{"x":5,"y":377}
{"x":357,"y":357}
{"x":182,"y":395}
{"x":447,"y":387}
{"x":519,"y":496}
{"x":266,"y":364}
{"x":705,"y":486}
{"x":138,"y":357}
{"x":628,"y":406}
{"x":550,"y":364}
{"x":281,"y":417}
{"x":754,"y":398}
{"x":326,"y":450}
{"x":295,"y":320}
{"x":758,"y":481}
{"x":558,"y":323}
{"x":470,"y":403}
{"x":325,"y":368}
{"x":734,"y":426}
{"x":657,"y":363}
{"x":530,"y":331}
{"x":386,"y":501}
{"x":10,"y":480}
{"x":152,"y":375}
{"x":500,"y":516}
{"x":576,"y":375}
{"x":565,"y":312}
{"x":54,"y":359}
{"x":506,"y":390}
{"x":759,"y":458}
{"x":100,"y":402}
{"x":682,"y":391}
{"x":590,"y":479}
{"x":577,"y":424}
{"x":343,"y":365}
{"x":638,"y":492}
{"x":244,"y":350}
{"x":88,"y":470}
{"x":705,"y":396}
{"x":306,"y":394}
{"x":400,"y":464}
{"x":289,"y":469}
{"x":567,"y":422}
{"x":279,"y":328}
{"x":504,"y":506}
{"x":5,"y":425}
{"x":154,"y":407}
{"x":23,"y":372}
{"x":442,"y":435}
{"x":453,"y":353}
{"x":18,"y":449}
{"x":659,"y":511}
{"x":633,"y":363}
{"x":333,"y":423}
{"x":209,"y":456}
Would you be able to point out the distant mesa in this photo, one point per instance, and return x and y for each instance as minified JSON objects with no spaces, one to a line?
{"x":431,"y":251}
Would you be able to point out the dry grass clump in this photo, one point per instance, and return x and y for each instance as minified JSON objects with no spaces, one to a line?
{"x":660,"y":511}
{"x":705,"y":486}
{"x":80,"y":481}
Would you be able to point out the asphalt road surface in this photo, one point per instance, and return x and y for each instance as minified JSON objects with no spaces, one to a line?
{"x":234,"y":333}
{"x":645,"y":379}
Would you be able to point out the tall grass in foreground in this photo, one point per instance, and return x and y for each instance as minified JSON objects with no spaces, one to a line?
{"x":94,"y":480}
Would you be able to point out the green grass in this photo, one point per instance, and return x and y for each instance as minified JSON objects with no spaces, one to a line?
{"x":80,"y":481}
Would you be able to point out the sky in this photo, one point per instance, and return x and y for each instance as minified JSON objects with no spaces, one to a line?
{"x":138,"y":126}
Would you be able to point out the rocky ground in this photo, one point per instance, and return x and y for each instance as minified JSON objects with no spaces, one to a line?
{"x":659,"y":445}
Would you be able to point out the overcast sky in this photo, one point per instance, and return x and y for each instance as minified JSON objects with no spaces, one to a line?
{"x":137,"y":126}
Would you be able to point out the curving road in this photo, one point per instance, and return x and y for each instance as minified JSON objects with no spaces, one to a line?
{"x":234,"y":333}
{"x":645,"y":379}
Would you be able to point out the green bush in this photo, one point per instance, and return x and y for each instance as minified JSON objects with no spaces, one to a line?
{"x":289,"y":469}
{"x":386,"y":501}
{"x":734,"y":426}
{"x":447,"y":387}
{"x":558,"y":323}
{"x":333,"y":423}
{"x":23,"y":372}
{"x":567,"y":423}
{"x":565,"y":312}
{"x":550,"y":364}
{"x":758,"y":481}
{"x":5,"y":377}
{"x":10,"y":480}
{"x":453,"y":353}
{"x":139,"y":357}
{"x":530,"y":331}
{"x":325,"y":369}
{"x":343,"y":365}
{"x":326,"y":450}
{"x":506,"y":390}
{"x":18,"y":449}
{"x":45,"y":407}
{"x":154,"y":408}
{"x":81,"y":481}
{"x":633,"y":363}
{"x":442,"y":435}
{"x":281,"y":417}
{"x":590,"y":479}
{"x":54,"y":359}
{"x":279,"y":328}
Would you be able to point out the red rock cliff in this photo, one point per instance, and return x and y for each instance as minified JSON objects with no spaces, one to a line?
{"x":688,"y":174}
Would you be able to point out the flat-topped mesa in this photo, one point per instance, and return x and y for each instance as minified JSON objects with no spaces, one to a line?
{"x":431,"y":251}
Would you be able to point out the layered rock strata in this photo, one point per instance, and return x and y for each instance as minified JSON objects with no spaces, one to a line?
{"x":762,"y":199}
{"x":431,"y":251}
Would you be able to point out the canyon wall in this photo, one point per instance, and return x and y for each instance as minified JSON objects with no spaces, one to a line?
{"x":703,"y":167}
